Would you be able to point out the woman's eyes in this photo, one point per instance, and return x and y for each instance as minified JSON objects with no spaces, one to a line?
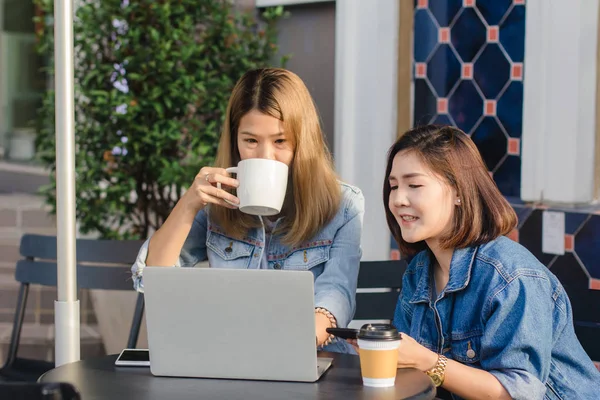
{"x":394,"y":187}
{"x":254,"y":141}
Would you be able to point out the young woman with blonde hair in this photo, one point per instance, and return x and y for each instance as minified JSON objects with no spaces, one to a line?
{"x":271,"y":115}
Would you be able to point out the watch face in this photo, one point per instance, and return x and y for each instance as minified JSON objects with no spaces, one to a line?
{"x":436,"y":380}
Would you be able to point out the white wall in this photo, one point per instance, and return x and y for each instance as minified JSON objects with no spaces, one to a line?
{"x":366,"y":63}
{"x":365,"y":106}
{"x":559,"y":112}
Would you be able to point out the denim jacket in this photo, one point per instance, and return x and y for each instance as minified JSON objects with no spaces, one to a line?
{"x":333,"y":255}
{"x":504,"y":312}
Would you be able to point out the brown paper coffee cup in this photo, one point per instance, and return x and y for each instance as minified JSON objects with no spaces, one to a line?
{"x":378,"y":362}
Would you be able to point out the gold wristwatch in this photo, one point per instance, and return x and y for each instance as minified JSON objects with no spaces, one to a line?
{"x":438,"y":372}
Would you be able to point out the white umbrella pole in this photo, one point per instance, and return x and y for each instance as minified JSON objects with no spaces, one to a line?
{"x":66,"y":308}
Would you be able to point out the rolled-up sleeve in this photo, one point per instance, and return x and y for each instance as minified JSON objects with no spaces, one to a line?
{"x":517,"y":340}
{"x":193,"y":251}
{"x":335,"y":287}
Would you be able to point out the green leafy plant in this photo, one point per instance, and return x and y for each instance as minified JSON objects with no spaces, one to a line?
{"x":152,"y":82}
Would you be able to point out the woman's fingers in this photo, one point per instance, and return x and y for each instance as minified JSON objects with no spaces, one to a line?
{"x":211,"y":194}
{"x":353,"y":343}
{"x":222,"y":179}
{"x":208,"y":189}
{"x":216,"y":175}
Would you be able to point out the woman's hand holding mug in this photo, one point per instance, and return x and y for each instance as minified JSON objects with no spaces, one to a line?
{"x":204,"y":189}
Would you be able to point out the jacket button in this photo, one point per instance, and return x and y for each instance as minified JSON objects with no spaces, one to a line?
{"x":228,"y":250}
{"x":277,"y":265}
{"x":470,"y":353}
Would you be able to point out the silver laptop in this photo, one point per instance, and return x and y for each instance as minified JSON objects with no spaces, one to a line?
{"x":232,"y":323}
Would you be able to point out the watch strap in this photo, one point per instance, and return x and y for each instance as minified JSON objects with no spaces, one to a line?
{"x":438,"y":372}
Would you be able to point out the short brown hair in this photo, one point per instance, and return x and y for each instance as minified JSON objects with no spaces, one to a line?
{"x":484,"y":214}
{"x":314,"y":193}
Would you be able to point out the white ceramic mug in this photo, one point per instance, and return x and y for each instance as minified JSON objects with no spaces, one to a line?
{"x":263,"y":184}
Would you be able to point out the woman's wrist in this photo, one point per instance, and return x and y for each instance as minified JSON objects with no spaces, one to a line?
{"x":189,"y":205}
{"x":429,"y":360}
{"x":328,"y":321}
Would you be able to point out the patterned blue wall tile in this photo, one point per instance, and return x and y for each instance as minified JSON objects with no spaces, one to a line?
{"x":445,"y":11}
{"x":568,"y":270}
{"x":530,"y":236}
{"x":490,"y":141}
{"x":578,"y":269}
{"x":587,"y":243}
{"x":468,"y":34}
{"x":469,"y":65}
{"x":493,"y":10}
{"x":510,"y":109}
{"x":425,"y":103}
{"x":442,"y":120}
{"x":465,"y":106}
{"x":443,"y":70}
{"x":512,"y":34}
{"x":491,"y":71}
{"x":523,"y":212}
{"x":573,"y":221}
{"x":516,"y":201}
{"x":508,"y":176}
{"x":425,"y":37}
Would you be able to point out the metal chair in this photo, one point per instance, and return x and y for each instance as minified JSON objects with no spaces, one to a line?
{"x":586,"y":319}
{"x":379,"y":284}
{"x":94,"y":271}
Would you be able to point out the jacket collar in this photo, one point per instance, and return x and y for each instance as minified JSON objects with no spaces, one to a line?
{"x":460,"y":274}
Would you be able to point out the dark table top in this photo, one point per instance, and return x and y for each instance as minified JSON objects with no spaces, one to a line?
{"x":99,"y":378}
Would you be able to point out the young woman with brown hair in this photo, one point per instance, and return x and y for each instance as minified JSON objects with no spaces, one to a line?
{"x":479,"y":313}
{"x":271,"y":115}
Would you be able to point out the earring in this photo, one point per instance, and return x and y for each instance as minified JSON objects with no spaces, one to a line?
{"x":457,"y":201}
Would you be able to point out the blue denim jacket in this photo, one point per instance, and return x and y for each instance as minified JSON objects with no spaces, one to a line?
{"x":333,"y":255}
{"x":504,"y":312}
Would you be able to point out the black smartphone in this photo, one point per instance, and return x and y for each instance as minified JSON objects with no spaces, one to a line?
{"x":133,"y":358}
{"x":343,"y":333}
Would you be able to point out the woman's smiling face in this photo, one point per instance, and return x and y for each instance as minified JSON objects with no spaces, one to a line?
{"x":421,"y":201}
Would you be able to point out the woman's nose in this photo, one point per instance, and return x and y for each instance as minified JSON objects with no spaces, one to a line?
{"x":267,"y":151}
{"x":399,"y":198}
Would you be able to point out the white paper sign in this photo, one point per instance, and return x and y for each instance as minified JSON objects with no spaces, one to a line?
{"x":553,"y":232}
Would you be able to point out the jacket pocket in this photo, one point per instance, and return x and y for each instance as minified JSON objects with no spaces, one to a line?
{"x":306,"y":258}
{"x":233,"y":253}
{"x":466,"y":348}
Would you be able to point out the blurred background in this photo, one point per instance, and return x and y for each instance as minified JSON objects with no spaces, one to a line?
{"x":520,"y":77}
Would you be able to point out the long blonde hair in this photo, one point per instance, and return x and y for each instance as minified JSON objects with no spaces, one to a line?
{"x":313,"y":194}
